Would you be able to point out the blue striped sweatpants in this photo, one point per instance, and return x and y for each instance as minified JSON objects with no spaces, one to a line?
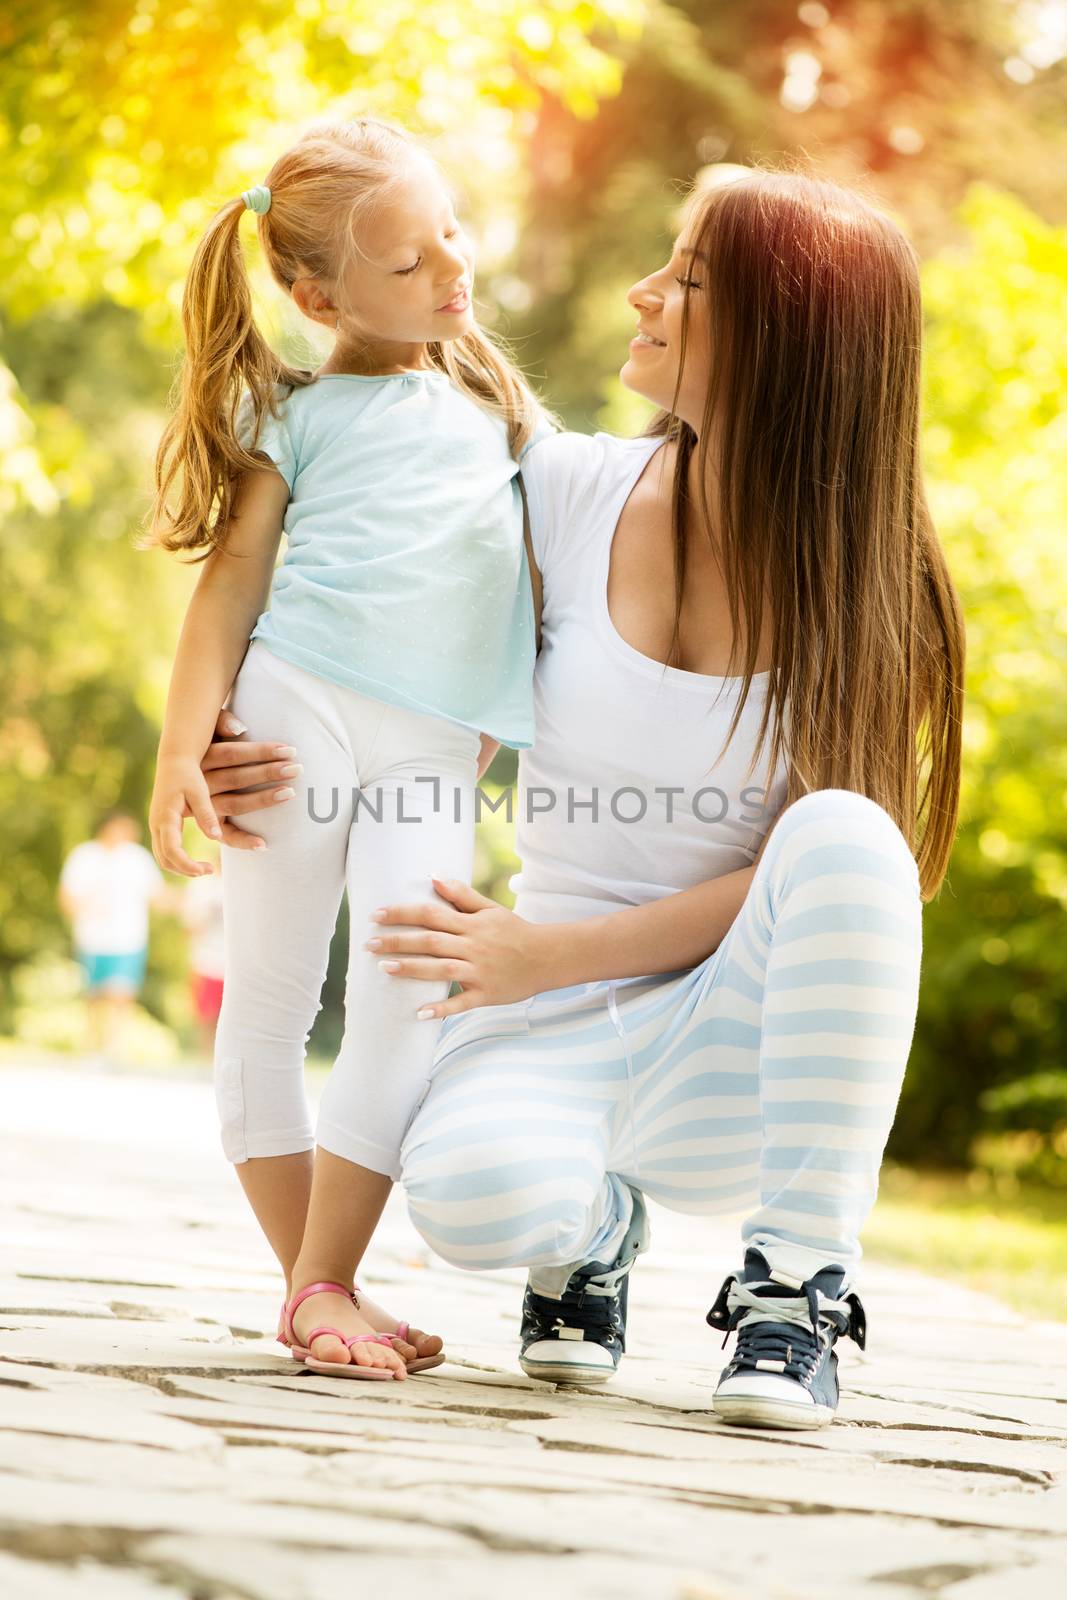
{"x":765,"y":1080}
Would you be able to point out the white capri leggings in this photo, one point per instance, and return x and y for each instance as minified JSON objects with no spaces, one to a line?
{"x":368,"y":816}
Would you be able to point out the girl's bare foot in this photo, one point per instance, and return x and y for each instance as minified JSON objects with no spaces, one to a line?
{"x":327,"y":1309}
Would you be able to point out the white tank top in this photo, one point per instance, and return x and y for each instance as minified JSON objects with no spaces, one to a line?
{"x":624,"y":796}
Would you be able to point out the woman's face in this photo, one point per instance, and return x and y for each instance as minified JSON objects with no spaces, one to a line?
{"x":655,"y":351}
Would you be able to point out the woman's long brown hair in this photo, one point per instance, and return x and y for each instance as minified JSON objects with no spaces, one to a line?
{"x":319,"y":188}
{"x":810,"y":475}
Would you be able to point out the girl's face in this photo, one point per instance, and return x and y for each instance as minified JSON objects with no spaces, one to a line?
{"x":410,"y":284}
{"x":655,"y":351}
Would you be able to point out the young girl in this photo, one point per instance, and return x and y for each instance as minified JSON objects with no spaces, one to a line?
{"x":395,"y":655}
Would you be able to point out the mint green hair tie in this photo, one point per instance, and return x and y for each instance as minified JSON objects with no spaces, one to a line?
{"x":257,"y":198}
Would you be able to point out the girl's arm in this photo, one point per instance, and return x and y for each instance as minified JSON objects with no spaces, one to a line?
{"x":491,"y":746}
{"x":485,"y":755}
{"x":231,"y":593}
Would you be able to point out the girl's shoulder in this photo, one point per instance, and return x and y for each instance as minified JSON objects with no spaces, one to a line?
{"x":294,"y":402}
{"x":280,"y":428}
{"x":281,"y":402}
{"x":568,"y":476}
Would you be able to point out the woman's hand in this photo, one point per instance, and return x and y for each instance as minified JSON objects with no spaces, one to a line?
{"x":180,"y":791}
{"x":495,"y":956}
{"x":242,"y":775}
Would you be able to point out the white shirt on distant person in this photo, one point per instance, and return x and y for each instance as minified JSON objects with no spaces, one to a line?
{"x":112,"y":889}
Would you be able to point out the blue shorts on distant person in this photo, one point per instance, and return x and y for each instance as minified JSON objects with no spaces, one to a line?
{"x":110,"y":970}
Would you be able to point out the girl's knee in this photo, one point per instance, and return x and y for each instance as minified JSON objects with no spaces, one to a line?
{"x":262,"y":1110}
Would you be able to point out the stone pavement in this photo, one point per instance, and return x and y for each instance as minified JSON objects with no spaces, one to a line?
{"x":155,"y":1441}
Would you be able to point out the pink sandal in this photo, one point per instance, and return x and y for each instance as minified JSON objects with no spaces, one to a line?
{"x":336,"y":1369}
{"x":402,"y":1330}
{"x":420,"y":1363}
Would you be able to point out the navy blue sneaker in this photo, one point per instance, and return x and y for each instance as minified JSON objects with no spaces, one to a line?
{"x":580,"y":1337}
{"x":784,"y":1368}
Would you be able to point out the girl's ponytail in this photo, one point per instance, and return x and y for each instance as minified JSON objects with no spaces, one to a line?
{"x":199,"y":458}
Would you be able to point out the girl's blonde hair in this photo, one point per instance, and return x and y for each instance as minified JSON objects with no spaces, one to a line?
{"x":319,"y":190}
{"x":813,"y":412}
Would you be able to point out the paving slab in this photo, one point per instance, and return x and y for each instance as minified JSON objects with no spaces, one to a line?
{"x":156,"y":1441}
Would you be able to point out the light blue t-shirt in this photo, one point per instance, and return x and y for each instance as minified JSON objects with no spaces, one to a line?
{"x":405,"y":574}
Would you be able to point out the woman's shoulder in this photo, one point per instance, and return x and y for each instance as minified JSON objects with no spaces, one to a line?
{"x":570,"y":461}
{"x":581,"y":455}
{"x":568,"y":475}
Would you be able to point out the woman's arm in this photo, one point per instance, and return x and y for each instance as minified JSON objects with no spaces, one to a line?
{"x":675,"y":932}
{"x":231,"y":592}
{"x":679,"y":930}
{"x":497,"y":957}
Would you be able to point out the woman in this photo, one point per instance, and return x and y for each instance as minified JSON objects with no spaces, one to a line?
{"x":707,"y":994}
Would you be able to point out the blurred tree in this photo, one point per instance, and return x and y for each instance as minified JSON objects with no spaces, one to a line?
{"x":85,"y":620}
{"x":124,"y":124}
{"x":994,"y":999}
{"x":127,"y":121}
{"x":914,"y":100}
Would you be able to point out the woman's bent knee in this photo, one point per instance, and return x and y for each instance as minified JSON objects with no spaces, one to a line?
{"x":484,"y":1207}
{"x":840,"y":831}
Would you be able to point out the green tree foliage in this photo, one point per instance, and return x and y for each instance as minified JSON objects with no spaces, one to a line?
{"x":912,"y":100}
{"x":123,"y":125}
{"x":575,"y":127}
{"x":124,"y":119}
{"x":994,"y":1003}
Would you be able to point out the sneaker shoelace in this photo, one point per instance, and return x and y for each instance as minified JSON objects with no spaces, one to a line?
{"x":787,"y":1335}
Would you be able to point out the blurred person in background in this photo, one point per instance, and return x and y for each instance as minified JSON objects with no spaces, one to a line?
{"x":201,"y":915}
{"x":106,"y":887}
